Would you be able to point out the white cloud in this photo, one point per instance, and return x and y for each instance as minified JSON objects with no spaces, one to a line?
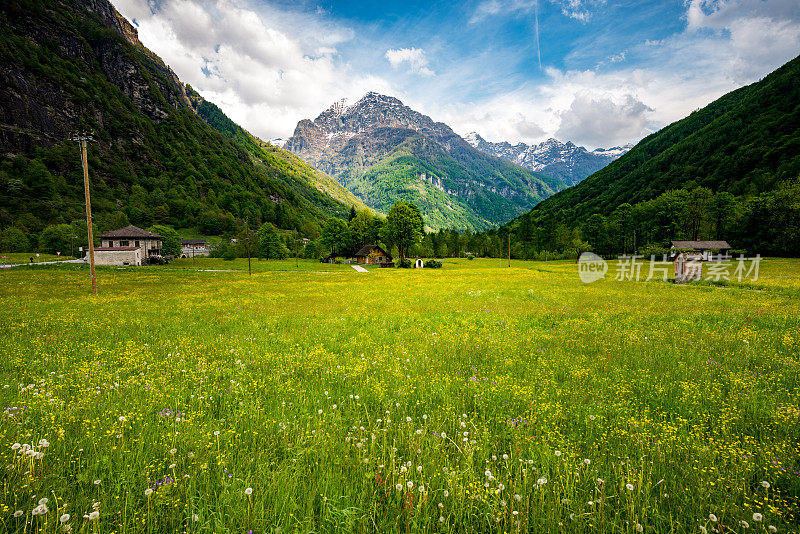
{"x":265,"y":69}
{"x":756,"y":36}
{"x":603,"y":120}
{"x":414,"y":57}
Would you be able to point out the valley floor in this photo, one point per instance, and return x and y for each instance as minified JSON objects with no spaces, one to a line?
{"x":473,"y":398}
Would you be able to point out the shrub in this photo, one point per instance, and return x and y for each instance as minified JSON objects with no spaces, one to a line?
{"x":433,"y":264}
{"x":405,"y":263}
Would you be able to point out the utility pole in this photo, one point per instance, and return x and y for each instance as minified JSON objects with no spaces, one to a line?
{"x":82,"y":139}
{"x":247,"y":234}
{"x":296,"y":250}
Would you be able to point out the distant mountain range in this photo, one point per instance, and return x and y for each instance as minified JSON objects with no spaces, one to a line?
{"x":383,"y":151}
{"x":566,"y":161}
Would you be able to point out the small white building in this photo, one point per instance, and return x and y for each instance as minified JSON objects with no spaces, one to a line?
{"x":194,"y":247}
{"x":128,"y":246}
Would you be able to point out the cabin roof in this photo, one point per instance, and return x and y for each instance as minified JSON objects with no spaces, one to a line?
{"x":366,"y":249}
{"x":702,"y":245}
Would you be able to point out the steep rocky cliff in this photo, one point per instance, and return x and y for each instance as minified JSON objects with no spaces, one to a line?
{"x":77,"y":66}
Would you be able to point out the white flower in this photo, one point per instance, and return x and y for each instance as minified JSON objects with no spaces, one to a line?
{"x":18,"y":513}
{"x":173,"y":451}
{"x":744,"y":524}
{"x":15,"y":446}
{"x":148,"y":492}
{"x":43,"y":500}
{"x":216,"y":432}
{"x":703,"y":530}
{"x":446,"y":493}
{"x":488,"y":473}
{"x":772,"y":528}
{"x":542,"y":481}
{"x":97,"y":482}
{"x":518,"y":497}
{"x":765,"y":484}
{"x":248,"y":491}
{"x":121,"y":418}
{"x":422,"y":489}
{"x":444,"y":436}
{"x":94,"y":515}
{"x":399,"y":487}
{"x":558,"y":453}
{"x":408,"y":419}
{"x":39,"y":510}
{"x":441,"y":519}
{"x":501,"y":487}
{"x":419,"y":469}
{"x":587,"y":461}
{"x":505,"y":457}
{"x":410,"y":484}
{"x":195,"y":518}
{"x":64,"y":518}
{"x":319,"y":411}
{"x":172,"y":466}
{"x":425,"y":417}
{"x":629,"y":487}
{"x":712,"y":517}
{"x":639,"y":528}
{"x":757,"y":517}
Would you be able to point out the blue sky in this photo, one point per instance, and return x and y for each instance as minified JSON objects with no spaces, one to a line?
{"x":596,"y":72}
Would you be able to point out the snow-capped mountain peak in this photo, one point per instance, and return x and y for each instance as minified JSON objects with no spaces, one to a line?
{"x":564,"y":160}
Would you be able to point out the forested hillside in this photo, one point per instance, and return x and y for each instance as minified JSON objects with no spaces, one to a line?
{"x":77,"y":67}
{"x":727,"y":171}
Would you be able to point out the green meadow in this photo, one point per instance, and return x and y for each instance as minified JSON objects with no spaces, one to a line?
{"x":306,"y":397}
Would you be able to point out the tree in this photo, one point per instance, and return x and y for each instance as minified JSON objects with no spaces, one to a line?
{"x":335,"y":235}
{"x":352,"y":214}
{"x":14,"y":240}
{"x":172,"y":241}
{"x":723,"y":210}
{"x":360,"y":229}
{"x":404,"y":227}
{"x":270,"y":244}
{"x":56,"y":238}
{"x":700,"y":199}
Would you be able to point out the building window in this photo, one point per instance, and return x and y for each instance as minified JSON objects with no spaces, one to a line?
{"x":123,"y":243}
{"x":110,"y":243}
{"x":137,"y":243}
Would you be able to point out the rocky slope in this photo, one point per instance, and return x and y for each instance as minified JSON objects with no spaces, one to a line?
{"x":566,"y":161}
{"x":384,"y":151}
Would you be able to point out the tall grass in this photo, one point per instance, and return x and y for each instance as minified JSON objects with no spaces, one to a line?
{"x":472,"y":398}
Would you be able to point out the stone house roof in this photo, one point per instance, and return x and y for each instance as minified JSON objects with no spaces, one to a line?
{"x":133,"y":232}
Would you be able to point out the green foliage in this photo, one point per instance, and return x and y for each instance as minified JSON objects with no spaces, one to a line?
{"x":172,"y":241}
{"x":270,"y":244}
{"x":154,"y":159}
{"x":56,"y":238}
{"x":419,"y":171}
{"x":404,"y":227}
{"x":405,"y":263}
{"x":335,"y":236}
{"x":14,"y":240}
{"x":728,"y":171}
{"x":433,"y":264}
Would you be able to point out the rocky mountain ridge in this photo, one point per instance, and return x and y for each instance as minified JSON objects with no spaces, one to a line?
{"x":383,"y":151}
{"x":566,"y":161}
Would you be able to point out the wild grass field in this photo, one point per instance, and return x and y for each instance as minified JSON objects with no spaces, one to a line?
{"x":474,"y":398}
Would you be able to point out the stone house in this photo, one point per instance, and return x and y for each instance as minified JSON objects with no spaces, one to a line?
{"x":128,"y":246}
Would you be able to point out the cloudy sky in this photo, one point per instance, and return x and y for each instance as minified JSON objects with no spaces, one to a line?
{"x":595,"y":72}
